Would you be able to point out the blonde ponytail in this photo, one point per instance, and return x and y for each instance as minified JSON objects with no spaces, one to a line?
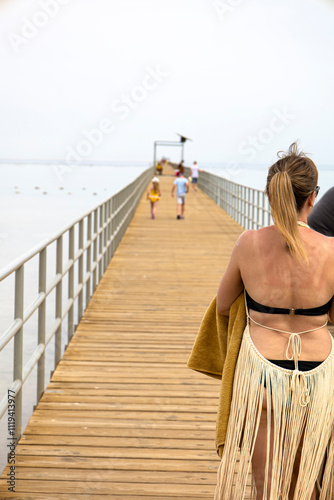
{"x":290,"y":181}
{"x":284,"y":211}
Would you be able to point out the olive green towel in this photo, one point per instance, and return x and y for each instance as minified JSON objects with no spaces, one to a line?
{"x":215,"y":353}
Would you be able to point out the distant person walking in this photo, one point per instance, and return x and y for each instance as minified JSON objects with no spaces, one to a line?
{"x":182,"y":186}
{"x":160,"y":166}
{"x":154,"y":194}
{"x":179,"y":167}
{"x":194,"y":172}
{"x":321,"y":218}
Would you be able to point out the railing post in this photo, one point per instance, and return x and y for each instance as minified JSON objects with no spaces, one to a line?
{"x":108,"y":231}
{"x":70,"y":320}
{"x":18,"y":347}
{"x":248,"y":208}
{"x":243,"y":206}
{"x":59,"y":299}
{"x":101,"y":242}
{"x":81,"y":269}
{"x":95,"y":253}
{"x":41,"y":324}
{"x":89,"y":259}
{"x":105,"y":236}
{"x":221,"y":193}
{"x":115,"y":221}
{"x":112,"y":201}
{"x":232,"y":194}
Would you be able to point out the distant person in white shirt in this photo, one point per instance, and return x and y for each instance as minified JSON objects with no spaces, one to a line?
{"x":182,"y":185}
{"x":194,"y":175}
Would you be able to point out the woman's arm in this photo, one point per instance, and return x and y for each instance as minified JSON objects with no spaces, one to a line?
{"x":231,"y":284}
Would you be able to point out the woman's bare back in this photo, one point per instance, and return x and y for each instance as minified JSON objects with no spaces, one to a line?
{"x":273,"y":277}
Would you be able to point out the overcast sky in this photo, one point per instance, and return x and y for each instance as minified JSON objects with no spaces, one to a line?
{"x":83,"y":80}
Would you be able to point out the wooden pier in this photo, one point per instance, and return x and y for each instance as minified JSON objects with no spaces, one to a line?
{"x":123,"y":418}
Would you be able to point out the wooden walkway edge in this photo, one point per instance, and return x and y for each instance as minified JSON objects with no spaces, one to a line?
{"x":123,"y":418}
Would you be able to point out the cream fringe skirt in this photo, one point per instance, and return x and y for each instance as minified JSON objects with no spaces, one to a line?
{"x":301,"y":406}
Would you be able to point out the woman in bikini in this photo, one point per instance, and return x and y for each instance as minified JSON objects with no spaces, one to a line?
{"x":282,"y":412}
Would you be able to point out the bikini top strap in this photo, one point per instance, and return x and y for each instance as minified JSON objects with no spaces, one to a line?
{"x":256,"y":306}
{"x":284,"y":331}
{"x":313,"y":311}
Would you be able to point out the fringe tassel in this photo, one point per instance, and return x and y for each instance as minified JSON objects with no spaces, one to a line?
{"x":300,"y":408}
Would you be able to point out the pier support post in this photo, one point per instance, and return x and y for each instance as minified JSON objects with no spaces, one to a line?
{"x":18,"y":348}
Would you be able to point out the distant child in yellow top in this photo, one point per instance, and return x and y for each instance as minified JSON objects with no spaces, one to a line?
{"x":153,"y":194}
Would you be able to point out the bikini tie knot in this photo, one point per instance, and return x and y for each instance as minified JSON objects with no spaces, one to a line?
{"x":295,"y":346}
{"x":298,"y":380}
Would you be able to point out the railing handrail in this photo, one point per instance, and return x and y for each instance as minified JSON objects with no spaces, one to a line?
{"x":187,"y":173}
{"x":105,"y":226}
{"x":248,"y":206}
{"x":29,"y":254}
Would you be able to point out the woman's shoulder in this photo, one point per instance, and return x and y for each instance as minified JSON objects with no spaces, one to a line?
{"x":252,"y":235}
{"x":321,"y":238}
{"x":270,"y":234}
{"x":321,"y":241}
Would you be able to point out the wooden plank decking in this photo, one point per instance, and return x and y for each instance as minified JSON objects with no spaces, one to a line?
{"x":123,"y":418}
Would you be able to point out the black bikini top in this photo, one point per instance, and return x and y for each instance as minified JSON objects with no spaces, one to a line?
{"x":314,"y":311}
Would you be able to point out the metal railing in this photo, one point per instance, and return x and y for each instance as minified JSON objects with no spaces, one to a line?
{"x":92,"y":241}
{"x":247,"y":206}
